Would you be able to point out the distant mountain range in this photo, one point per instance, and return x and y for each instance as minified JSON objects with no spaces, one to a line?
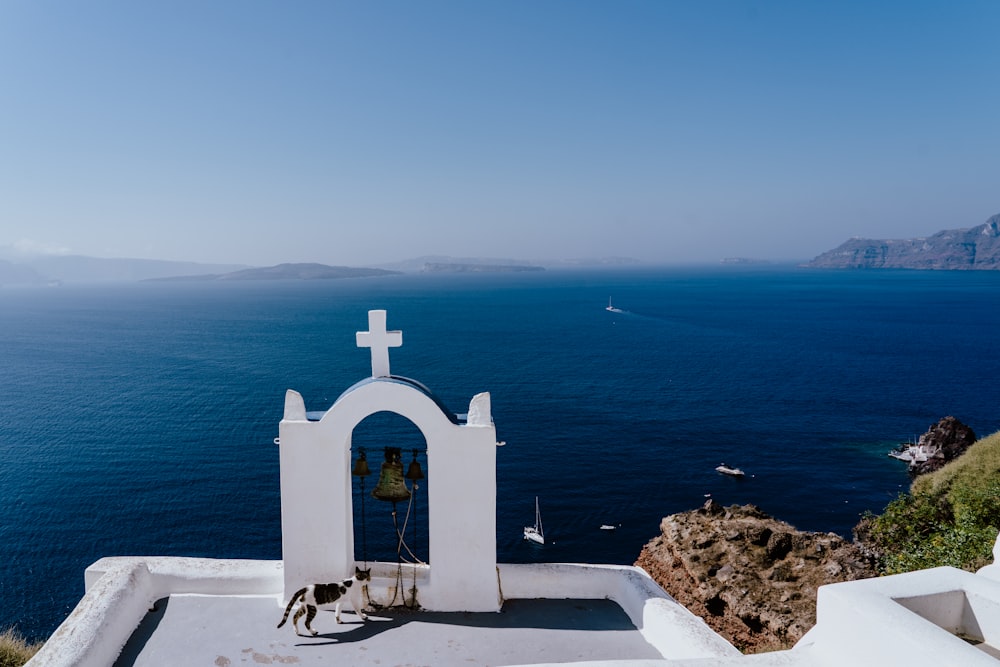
{"x":452,"y":267}
{"x":308,"y":271}
{"x":16,"y":269}
{"x":972,"y":248}
{"x":428,"y":263}
{"x":54,"y":269}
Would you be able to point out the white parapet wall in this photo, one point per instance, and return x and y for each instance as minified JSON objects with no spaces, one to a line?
{"x":667,"y":625}
{"x":941,"y":616}
{"x":992,"y":571}
{"x":121,"y":591}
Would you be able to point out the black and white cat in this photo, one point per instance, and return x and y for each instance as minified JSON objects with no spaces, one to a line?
{"x":317,"y":595}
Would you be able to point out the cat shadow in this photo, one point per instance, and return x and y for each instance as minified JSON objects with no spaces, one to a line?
{"x":362,"y":630}
{"x":585,"y":615}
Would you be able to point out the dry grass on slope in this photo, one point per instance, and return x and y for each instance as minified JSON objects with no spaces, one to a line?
{"x":14,"y":649}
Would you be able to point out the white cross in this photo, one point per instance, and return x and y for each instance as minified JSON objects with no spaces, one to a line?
{"x":379,"y":340}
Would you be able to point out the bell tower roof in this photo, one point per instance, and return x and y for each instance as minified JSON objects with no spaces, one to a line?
{"x":408,"y":382}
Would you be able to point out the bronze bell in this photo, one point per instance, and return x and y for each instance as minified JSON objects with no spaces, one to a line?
{"x":361,"y":465}
{"x":391,"y":486}
{"x":414,"y":472}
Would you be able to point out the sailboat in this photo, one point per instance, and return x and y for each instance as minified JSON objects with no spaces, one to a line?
{"x":535,"y":533}
{"x":612,"y":309}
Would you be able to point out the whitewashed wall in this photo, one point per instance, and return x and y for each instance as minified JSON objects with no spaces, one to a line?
{"x":316,"y":506}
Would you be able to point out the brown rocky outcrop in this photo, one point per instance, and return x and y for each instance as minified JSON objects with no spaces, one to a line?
{"x":751,"y":577}
{"x":948,"y":439}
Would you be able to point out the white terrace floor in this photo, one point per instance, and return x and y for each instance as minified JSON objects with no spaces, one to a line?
{"x":191,"y":611}
{"x":240,"y":630}
{"x":224,"y":613}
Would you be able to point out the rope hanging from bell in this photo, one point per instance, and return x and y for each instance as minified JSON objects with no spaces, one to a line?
{"x":414,"y":473}
{"x":361,"y":471}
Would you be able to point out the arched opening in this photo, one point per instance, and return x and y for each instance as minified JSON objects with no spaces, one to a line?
{"x":388,"y":531}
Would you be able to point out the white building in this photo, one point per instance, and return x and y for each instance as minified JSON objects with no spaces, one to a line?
{"x":181,"y":611}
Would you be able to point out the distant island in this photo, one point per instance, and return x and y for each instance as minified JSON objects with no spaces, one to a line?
{"x":56,"y":270}
{"x":974,"y":248}
{"x":305,"y":271}
{"x":449,"y":264}
{"x":60,"y":269}
{"x":446,"y":267}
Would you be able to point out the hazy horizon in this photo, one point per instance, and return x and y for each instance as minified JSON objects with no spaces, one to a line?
{"x":350,"y":133}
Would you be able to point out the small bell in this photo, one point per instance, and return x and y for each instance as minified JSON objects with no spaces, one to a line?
{"x":414,"y":473}
{"x":391,"y":486}
{"x":361,"y":465}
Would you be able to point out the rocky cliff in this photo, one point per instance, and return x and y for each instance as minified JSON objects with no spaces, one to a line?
{"x":944,"y":441}
{"x":972,"y":248}
{"x":751,"y":577}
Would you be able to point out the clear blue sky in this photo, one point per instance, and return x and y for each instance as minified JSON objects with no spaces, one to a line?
{"x":363,"y":132}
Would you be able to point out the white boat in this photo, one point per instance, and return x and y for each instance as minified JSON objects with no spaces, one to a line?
{"x":535,"y":533}
{"x":732,"y":472}
{"x":608,"y":526}
{"x":913,"y":453}
{"x":612,"y":309}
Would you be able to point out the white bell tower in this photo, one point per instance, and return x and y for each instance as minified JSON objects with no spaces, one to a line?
{"x":317,"y":514}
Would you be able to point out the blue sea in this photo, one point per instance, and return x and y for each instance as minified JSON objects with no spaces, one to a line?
{"x":139,"y":419}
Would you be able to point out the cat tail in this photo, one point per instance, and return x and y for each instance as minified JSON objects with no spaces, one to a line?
{"x":298,"y":594}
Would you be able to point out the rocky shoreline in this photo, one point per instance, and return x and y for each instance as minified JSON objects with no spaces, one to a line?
{"x":751,"y":577}
{"x":943,"y":442}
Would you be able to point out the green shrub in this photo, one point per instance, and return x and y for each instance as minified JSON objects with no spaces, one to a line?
{"x":951,"y":517}
{"x":14,"y":649}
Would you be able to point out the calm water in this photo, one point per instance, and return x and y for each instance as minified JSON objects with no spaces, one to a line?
{"x":140,"y":419}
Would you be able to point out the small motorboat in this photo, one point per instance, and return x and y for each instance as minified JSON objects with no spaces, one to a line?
{"x":608,"y":526}
{"x":727,"y":470}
